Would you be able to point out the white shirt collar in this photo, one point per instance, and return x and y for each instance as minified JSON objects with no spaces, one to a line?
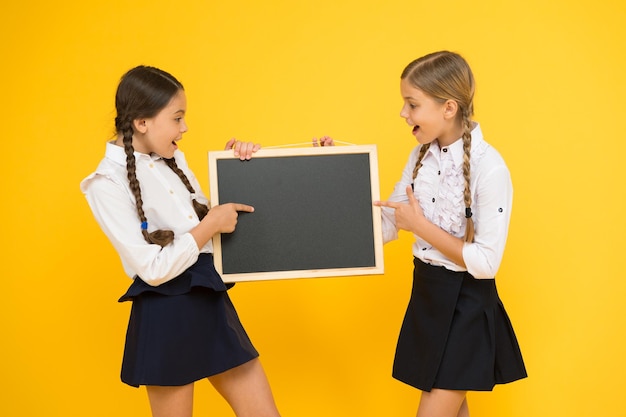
{"x":117,"y":154}
{"x":456,"y":148}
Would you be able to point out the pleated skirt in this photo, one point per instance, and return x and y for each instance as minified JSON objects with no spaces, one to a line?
{"x":456,"y":334}
{"x":184,"y":330}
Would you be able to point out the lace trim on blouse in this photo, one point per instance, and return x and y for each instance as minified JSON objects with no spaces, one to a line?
{"x":440,"y":186}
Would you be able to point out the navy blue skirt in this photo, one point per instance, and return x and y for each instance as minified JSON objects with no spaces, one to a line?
{"x":184,"y":330}
{"x":456,"y":334}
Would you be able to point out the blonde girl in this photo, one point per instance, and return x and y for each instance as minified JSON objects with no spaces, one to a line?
{"x":455,"y":196}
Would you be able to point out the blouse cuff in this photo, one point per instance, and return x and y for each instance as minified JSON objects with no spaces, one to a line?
{"x":476,"y":262}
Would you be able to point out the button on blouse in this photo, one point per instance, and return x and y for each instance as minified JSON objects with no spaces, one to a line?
{"x":439,"y":188}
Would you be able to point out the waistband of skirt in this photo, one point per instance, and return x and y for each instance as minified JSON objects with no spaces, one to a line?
{"x":202,"y":274}
{"x":438,"y":270}
{"x":423,"y":269}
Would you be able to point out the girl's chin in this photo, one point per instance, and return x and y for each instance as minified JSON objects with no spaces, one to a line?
{"x":417,"y":133}
{"x":423,"y":141}
{"x":167,"y":155}
{"x":172,"y":150}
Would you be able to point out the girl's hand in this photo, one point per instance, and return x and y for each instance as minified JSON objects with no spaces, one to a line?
{"x":408,"y":215}
{"x":224,"y":217}
{"x":243,"y":150}
{"x":324,"y":141}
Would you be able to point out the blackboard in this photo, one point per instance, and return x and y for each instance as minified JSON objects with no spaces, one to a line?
{"x":313,"y":215}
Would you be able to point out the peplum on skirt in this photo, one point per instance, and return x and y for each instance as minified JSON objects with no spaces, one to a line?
{"x":184,"y":330}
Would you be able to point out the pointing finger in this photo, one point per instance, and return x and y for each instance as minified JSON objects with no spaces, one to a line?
{"x":243,"y":207}
{"x":390,"y":204}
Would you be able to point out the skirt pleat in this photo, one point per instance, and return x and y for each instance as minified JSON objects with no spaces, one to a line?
{"x":456,"y":334}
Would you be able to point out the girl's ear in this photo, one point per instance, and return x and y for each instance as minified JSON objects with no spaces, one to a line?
{"x":140,"y":125}
{"x":450,"y":108}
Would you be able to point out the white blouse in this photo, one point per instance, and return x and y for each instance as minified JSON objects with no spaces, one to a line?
{"x":439,"y":189}
{"x":167,"y":205}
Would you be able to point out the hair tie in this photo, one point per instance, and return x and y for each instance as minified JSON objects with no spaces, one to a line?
{"x":468,"y":212}
{"x":193,"y":196}
{"x":144,"y":225}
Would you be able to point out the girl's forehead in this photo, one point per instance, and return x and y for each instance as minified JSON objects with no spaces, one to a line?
{"x":180,"y":96}
{"x":178,"y":102}
{"x":409,"y":91}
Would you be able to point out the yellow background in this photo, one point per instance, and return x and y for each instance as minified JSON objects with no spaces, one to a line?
{"x":550,"y":98}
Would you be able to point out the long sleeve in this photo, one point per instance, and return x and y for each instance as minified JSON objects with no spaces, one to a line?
{"x":494,"y":200}
{"x":167,"y":206}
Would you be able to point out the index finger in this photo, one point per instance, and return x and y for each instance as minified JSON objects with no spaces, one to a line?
{"x":391,"y":204}
{"x":243,"y":207}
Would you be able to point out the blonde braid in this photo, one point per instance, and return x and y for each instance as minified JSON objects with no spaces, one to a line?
{"x":445,"y":75}
{"x":420,"y":156}
{"x":467,"y":195}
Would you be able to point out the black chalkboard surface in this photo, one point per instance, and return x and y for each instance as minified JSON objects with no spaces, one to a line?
{"x":313,"y":213}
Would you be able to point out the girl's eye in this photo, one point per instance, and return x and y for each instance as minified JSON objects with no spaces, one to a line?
{"x":412,"y":106}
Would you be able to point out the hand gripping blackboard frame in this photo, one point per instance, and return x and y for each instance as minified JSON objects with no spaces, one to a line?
{"x":313,"y":215}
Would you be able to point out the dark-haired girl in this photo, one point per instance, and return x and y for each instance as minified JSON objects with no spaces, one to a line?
{"x":183,"y":326}
{"x":455,"y":196}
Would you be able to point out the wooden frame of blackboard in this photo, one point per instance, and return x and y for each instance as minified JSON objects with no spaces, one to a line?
{"x":320,"y":197}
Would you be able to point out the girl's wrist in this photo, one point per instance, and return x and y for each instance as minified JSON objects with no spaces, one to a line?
{"x":421,"y":222}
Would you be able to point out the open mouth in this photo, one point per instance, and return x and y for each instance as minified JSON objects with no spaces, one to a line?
{"x":415,"y":129}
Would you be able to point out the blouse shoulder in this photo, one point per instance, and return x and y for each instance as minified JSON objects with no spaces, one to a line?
{"x":484,"y":157}
{"x":488,"y":158}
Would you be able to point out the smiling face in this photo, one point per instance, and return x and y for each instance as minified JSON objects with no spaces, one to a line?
{"x":430,"y":119}
{"x":160,"y":133}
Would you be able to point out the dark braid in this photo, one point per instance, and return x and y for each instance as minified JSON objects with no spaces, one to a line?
{"x":143,"y":92}
{"x":201,"y":209}
{"x":159,"y":237}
